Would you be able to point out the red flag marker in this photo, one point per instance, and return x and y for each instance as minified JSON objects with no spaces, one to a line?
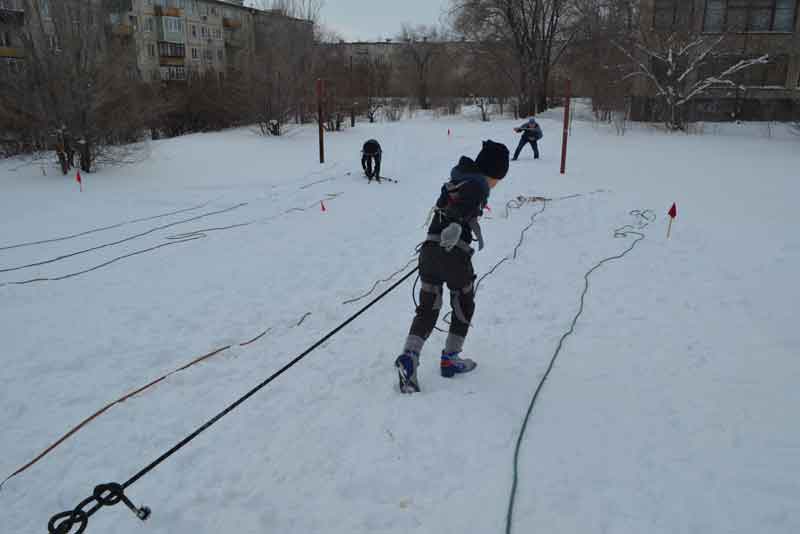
{"x":322,"y":206}
{"x":673,"y":213}
{"x":488,"y":208}
{"x":448,"y":132}
{"x":78,"y":179}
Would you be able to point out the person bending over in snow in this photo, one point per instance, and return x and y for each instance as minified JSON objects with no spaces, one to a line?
{"x":371,"y":155}
{"x":531,"y":133}
{"x":446,"y":257}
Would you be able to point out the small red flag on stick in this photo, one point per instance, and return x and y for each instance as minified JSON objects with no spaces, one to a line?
{"x":78,"y":179}
{"x":322,"y":206}
{"x":673,"y":213}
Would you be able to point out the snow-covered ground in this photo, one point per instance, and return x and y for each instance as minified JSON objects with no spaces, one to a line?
{"x":672,"y":409}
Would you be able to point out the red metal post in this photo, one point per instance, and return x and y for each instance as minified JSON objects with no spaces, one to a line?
{"x":566,"y":128}
{"x":321,"y":119}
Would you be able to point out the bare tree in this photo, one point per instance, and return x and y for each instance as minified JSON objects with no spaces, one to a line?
{"x":301,"y":9}
{"x":532,"y":31}
{"x":282,"y":74}
{"x":373,"y":75}
{"x":79,"y":90}
{"x":421,"y":47}
{"x":596,"y":66}
{"x":681,"y":66}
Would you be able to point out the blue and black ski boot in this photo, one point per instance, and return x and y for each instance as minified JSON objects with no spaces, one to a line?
{"x":453,"y":365}
{"x":406,"y":365}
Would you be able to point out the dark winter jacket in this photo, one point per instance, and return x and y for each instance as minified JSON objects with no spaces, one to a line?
{"x":531,"y":130}
{"x":462,"y":200}
{"x":371,"y":148}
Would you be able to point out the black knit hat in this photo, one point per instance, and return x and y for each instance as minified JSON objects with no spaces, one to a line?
{"x":493,"y":159}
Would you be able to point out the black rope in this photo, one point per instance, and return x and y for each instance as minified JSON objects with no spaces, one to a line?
{"x":176,"y":239}
{"x":381,"y":281}
{"x":512,"y":204}
{"x":120,"y":241}
{"x":111,"y":494}
{"x":102,"y":229}
{"x":307,"y":186}
{"x":96,"y":267}
{"x":645,"y":218}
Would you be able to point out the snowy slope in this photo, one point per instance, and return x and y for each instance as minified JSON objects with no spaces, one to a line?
{"x":671,"y":409}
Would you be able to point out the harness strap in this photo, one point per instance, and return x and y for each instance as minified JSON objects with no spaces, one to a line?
{"x":463,"y":245}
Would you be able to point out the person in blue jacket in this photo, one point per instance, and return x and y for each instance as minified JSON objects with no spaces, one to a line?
{"x":531,"y":133}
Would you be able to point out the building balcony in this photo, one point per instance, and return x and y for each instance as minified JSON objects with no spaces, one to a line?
{"x":171,"y":61}
{"x":161,"y":11}
{"x":122,"y":30}
{"x":167,"y":50}
{"x":12,"y":52}
{"x":231,"y":24}
{"x":12,"y":12}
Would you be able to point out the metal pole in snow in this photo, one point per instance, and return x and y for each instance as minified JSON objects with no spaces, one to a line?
{"x":320,"y":119}
{"x":566,"y":129}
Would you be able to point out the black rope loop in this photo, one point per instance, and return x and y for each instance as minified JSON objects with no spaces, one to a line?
{"x":112,"y":494}
{"x":64,"y":522}
{"x":103,"y":495}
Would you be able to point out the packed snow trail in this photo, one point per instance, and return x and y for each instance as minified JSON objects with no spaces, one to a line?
{"x":644,"y":219}
{"x":673,"y":407}
{"x":112,"y":494}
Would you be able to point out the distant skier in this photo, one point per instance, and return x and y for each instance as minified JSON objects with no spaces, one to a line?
{"x":531,"y":133}
{"x":446,"y":257}
{"x":371,"y":159}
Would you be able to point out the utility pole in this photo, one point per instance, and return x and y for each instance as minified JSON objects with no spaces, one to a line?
{"x":566,"y":128}
{"x":352,"y":97}
{"x":321,"y":119}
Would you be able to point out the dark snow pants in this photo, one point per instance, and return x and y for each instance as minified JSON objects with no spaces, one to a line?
{"x":524,"y":141}
{"x":436,"y":268}
{"x":366,"y":163}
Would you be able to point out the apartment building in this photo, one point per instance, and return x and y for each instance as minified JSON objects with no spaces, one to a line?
{"x":173,"y":39}
{"x":12,"y":20}
{"x":751,"y":28}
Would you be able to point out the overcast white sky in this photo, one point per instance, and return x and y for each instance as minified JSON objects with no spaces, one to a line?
{"x":369,"y":20}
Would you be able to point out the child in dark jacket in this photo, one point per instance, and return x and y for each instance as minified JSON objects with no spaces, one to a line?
{"x":531,"y":133}
{"x":446,"y":258}
{"x":371,"y":159}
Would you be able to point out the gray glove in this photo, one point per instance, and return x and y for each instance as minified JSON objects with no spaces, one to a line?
{"x":450,"y":236}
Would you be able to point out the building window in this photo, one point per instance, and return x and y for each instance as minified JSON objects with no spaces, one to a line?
{"x":749,"y":16}
{"x":173,"y":72}
{"x":195,"y":55}
{"x":219,"y":55}
{"x":171,"y":49}
{"x":671,"y":14}
{"x":151,"y":49}
{"x":664,"y":12}
{"x":149,"y":24}
{"x":194,"y":31}
{"x":173,"y":24}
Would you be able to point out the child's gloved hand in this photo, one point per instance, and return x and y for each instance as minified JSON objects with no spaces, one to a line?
{"x":450,"y":236}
